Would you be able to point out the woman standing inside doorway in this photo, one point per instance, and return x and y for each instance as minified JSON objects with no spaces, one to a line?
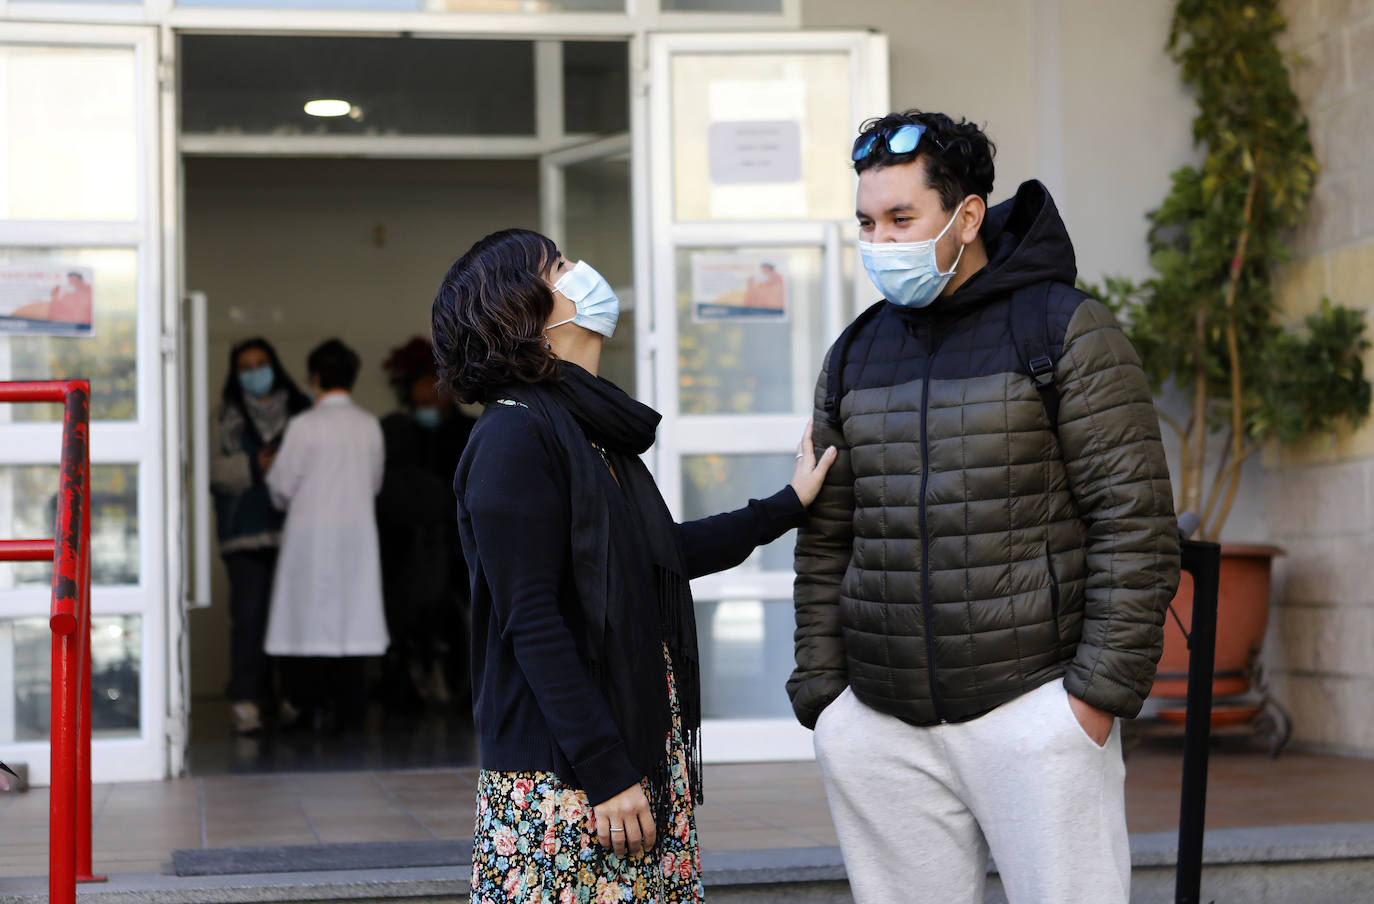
{"x":257,"y":401}
{"x":586,"y":688}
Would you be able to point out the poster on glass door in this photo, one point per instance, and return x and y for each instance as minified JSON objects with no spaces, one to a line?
{"x":46,"y":299}
{"x":734,"y":287}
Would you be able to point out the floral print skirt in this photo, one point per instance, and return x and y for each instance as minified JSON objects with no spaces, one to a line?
{"x":535,"y":841}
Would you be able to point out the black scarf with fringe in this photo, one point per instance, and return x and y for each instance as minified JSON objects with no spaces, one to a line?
{"x":634,"y":592}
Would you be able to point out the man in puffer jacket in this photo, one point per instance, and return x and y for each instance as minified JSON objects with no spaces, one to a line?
{"x":981,"y":590}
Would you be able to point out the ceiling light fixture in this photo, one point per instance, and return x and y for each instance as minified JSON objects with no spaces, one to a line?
{"x":328,"y":108}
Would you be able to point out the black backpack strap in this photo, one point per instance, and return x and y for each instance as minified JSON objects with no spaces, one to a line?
{"x":839,"y":352}
{"x":1030,"y":332}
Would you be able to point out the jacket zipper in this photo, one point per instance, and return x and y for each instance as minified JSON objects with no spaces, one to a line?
{"x":1054,"y":588}
{"x":926,"y":610}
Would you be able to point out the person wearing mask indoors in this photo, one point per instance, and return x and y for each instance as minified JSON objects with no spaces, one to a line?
{"x":257,"y":400}
{"x":424,"y":577}
{"x":327,"y":597}
{"x":586,"y":679}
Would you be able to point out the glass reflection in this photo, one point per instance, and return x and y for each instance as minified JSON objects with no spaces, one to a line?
{"x":596,"y":87}
{"x":28,"y":510}
{"x":260,"y":84}
{"x":429,"y":6}
{"x":718,"y":483}
{"x":761,"y":136}
{"x":746,"y":656}
{"x":742,"y":365}
{"x":116,"y":656}
{"x":68,"y":130}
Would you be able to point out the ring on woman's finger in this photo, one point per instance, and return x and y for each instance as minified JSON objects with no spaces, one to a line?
{"x":799,"y":455}
{"x":617,"y":829}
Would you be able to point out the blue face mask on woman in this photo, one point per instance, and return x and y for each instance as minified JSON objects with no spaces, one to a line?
{"x":257,"y":382}
{"x":597,"y":307}
{"x":907,"y":273}
{"x":428,"y":416}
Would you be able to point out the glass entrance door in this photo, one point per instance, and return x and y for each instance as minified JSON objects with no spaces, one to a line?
{"x":751,"y":248}
{"x":585,"y":208}
{"x":80,"y":296}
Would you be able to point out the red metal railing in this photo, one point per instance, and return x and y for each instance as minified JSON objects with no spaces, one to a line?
{"x":69,"y":812}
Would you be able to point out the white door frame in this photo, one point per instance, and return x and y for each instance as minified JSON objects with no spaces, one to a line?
{"x":658,"y":236}
{"x":129,"y":442}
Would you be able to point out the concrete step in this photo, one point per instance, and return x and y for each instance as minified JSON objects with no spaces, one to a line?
{"x":1274,"y":865}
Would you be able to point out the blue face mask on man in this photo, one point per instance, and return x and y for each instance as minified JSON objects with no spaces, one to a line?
{"x":597,"y":307}
{"x":907,"y":273}
{"x":258,"y":381}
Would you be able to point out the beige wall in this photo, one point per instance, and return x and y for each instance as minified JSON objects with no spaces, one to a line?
{"x":1321,"y":495}
{"x":301,"y":250}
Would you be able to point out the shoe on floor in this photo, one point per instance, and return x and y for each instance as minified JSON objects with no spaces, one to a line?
{"x":247,"y":719}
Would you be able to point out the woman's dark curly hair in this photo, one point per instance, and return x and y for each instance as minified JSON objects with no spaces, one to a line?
{"x":958,"y":155}
{"x":489,"y":316}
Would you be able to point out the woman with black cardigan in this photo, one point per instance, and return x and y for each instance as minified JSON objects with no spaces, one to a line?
{"x":586,"y":690}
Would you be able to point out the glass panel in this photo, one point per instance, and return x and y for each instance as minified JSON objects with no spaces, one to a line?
{"x":431,"y":6}
{"x":721,"y":6}
{"x":596,"y":87}
{"x":233,"y":84}
{"x":746,"y":656}
{"x":28,"y":511}
{"x":762,"y":137}
{"x":107,"y":355}
{"x":116,"y":657}
{"x":597,"y":226}
{"x":68,"y":133}
{"x":712,"y":484}
{"x":738,"y":351}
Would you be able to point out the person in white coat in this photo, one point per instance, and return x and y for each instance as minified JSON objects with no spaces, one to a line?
{"x":326,"y":612}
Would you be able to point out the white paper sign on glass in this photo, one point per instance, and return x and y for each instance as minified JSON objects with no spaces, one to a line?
{"x":761,"y":152}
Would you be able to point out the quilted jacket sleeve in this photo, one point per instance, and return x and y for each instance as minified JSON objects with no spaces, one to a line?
{"x":1109,"y":433}
{"x":822,"y":555}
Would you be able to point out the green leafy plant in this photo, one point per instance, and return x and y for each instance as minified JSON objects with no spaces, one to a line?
{"x":1207,"y":321}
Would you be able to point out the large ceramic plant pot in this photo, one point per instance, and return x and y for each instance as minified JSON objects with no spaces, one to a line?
{"x":1242,"y":616}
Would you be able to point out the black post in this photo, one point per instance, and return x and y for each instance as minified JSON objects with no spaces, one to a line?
{"x":1203,"y":562}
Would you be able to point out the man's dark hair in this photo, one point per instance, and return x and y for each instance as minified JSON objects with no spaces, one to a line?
{"x":958,"y":155}
{"x":335,"y":364}
{"x":489,"y":315}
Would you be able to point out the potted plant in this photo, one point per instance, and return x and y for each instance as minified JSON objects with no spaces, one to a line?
{"x":1206,"y":324}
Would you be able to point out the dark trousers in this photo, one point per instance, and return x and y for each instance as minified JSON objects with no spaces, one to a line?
{"x":250,"y":596}
{"x":317,"y":683}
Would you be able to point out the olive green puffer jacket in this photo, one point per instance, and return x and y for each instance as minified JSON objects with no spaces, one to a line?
{"x":964,"y":550}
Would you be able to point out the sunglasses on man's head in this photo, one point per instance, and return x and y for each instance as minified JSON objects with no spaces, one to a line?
{"x":901,"y":140}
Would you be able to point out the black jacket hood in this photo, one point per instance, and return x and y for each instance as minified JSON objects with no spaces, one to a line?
{"x":1026,"y":244}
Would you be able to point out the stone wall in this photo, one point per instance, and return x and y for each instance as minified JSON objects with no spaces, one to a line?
{"x":1320,"y":495}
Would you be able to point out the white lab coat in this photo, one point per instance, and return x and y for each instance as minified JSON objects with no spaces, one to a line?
{"x":327,"y":593}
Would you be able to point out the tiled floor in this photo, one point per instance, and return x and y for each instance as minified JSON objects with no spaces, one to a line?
{"x":748,"y":806}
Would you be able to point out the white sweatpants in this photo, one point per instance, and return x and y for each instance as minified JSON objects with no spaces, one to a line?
{"x":918,"y":809}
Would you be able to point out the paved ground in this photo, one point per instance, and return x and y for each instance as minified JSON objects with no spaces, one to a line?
{"x":773,"y":805}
